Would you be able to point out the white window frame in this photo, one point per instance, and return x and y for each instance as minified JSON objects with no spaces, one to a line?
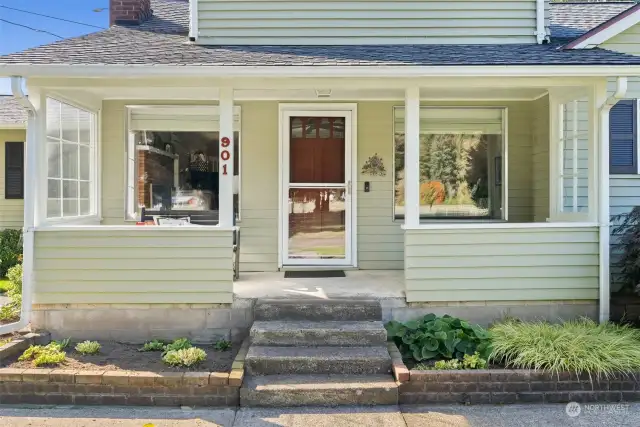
{"x":93,"y":217}
{"x":505,"y":165}
{"x":131,"y":211}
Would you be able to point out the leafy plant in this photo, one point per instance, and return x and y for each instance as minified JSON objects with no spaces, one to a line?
{"x":580,"y":346}
{"x":155,"y":345}
{"x":179,"y":344}
{"x":186,"y":357}
{"x":627,"y":230}
{"x":88,"y":347}
{"x":62,"y":344}
{"x":51,"y":354}
{"x":473,"y":361}
{"x":11,"y":310}
{"x":434,"y":337}
{"x":447,"y":364}
{"x":222,"y":345}
{"x":10,"y":249}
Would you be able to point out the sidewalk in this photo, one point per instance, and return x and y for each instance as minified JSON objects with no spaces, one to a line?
{"x":609,"y":415}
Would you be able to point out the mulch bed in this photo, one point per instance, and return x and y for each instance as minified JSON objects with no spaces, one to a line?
{"x":115,"y":356}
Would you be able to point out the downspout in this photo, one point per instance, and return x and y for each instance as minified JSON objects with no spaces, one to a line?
{"x":29,"y":210}
{"x":541,"y":31}
{"x":603,"y":209}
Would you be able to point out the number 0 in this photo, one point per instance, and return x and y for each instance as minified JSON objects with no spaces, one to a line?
{"x":225,"y":155}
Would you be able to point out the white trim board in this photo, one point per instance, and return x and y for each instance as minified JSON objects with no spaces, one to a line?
{"x":350,"y":112}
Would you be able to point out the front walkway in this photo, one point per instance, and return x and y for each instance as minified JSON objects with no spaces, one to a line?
{"x":610,"y":415}
{"x":375,"y":284}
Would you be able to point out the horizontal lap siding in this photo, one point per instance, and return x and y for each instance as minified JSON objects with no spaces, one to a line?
{"x":137,"y":266}
{"x":501,"y":265}
{"x":627,"y":41}
{"x":365,"y":22}
{"x":11,"y":210}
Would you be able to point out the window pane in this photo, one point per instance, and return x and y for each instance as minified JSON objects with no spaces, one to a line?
{"x":460,"y":163}
{"x":85,"y":190}
{"x":325,"y":128}
{"x":310,"y":128}
{"x":53,"y":155}
{"x":53,"y":118}
{"x":85,"y":207}
{"x":70,"y":207}
{"x":53,"y":208}
{"x":85,"y":127}
{"x":70,"y":161}
{"x":85,"y":162}
{"x":69,"y":123}
{"x":53,"y":188}
{"x":296,"y":127}
{"x":338,"y":127}
{"x":69,"y":189}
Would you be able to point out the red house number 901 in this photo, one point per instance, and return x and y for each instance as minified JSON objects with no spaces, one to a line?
{"x":225,"y":154}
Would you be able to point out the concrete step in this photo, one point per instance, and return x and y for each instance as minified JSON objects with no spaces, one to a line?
{"x":317,"y":360}
{"x":315,"y":310}
{"x":318,"y":390}
{"x":328,"y":333}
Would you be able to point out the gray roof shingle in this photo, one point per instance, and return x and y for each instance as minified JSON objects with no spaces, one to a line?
{"x":162,"y":41}
{"x":571,"y":20}
{"x":11,"y":113}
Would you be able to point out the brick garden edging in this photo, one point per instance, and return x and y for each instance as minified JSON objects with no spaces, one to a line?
{"x":501,"y":386}
{"x":77,"y":387}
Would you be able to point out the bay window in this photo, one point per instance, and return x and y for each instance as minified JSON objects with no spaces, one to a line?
{"x":461,"y":163}
{"x":71,"y":165}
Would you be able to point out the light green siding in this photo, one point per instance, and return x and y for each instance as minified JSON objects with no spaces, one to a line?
{"x":339,"y":22}
{"x":190,"y":265}
{"x":501,"y":264}
{"x":11,"y":210}
{"x":627,"y":41}
{"x":540,"y":151}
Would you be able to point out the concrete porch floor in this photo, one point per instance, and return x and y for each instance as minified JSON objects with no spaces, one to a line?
{"x":365,"y":284}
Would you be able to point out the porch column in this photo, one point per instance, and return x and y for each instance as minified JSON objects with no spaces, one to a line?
{"x":412,"y":157}
{"x":225,"y":167}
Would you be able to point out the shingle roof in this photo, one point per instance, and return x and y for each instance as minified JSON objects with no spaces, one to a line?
{"x":11,"y":113}
{"x":571,"y":20}
{"x":162,"y":41}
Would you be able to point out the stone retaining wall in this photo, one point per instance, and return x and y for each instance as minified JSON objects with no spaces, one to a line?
{"x":67,"y":387}
{"x":500,"y":386}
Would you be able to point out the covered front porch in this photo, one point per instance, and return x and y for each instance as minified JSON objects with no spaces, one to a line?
{"x":521,"y":221}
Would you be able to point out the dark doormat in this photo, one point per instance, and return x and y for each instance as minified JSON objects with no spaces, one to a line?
{"x":313,"y":274}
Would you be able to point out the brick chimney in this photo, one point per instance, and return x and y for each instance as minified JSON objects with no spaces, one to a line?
{"x":129,"y":12}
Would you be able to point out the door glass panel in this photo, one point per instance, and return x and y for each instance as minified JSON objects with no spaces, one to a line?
{"x":316,"y":160}
{"x":317,"y":227}
{"x":325,"y":128}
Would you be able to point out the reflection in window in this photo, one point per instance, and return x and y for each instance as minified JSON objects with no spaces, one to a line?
{"x":460,"y":163}
{"x":176,"y":173}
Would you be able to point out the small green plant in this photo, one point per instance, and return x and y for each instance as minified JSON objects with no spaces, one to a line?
{"x":580,"y":347}
{"x":222,"y":345}
{"x":10,"y":249}
{"x":88,"y":347}
{"x":11,"y":310}
{"x":186,"y":357}
{"x":155,"y":345}
{"x":179,"y":344}
{"x":473,"y":361}
{"x":434,"y":337}
{"x":51,"y":354}
{"x":62,"y":344}
{"x":450,"y":364}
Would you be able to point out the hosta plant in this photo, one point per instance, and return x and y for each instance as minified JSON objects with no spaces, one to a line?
{"x":434,"y":337}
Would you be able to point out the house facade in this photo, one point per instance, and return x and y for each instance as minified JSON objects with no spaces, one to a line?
{"x":13,"y":124}
{"x":457,"y":145}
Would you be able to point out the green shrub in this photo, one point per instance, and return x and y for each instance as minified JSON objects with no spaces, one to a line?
{"x":88,"y":347}
{"x":179,"y":344}
{"x":222,"y":345}
{"x":468,"y":362}
{"x":434,"y":337}
{"x":581,"y":346}
{"x":473,"y":361}
{"x":11,"y":310}
{"x":51,"y":354}
{"x":186,"y":357}
{"x":155,"y":345}
{"x":447,"y":364}
{"x":10,"y":249}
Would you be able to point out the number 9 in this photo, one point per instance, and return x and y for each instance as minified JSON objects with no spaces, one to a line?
{"x":225,"y":142}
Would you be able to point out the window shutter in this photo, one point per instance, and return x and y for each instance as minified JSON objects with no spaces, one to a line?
{"x":14,"y":170}
{"x":623,"y":138}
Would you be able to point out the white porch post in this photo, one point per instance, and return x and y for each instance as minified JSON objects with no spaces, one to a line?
{"x":412,"y":157}
{"x":226,"y":160}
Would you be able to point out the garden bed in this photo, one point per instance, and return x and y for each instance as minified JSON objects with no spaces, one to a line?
{"x":115,"y":356}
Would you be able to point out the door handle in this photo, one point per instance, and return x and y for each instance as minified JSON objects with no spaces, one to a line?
{"x":349,"y":187}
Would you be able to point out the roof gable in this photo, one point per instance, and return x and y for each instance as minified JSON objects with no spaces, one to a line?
{"x":605,"y":31}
